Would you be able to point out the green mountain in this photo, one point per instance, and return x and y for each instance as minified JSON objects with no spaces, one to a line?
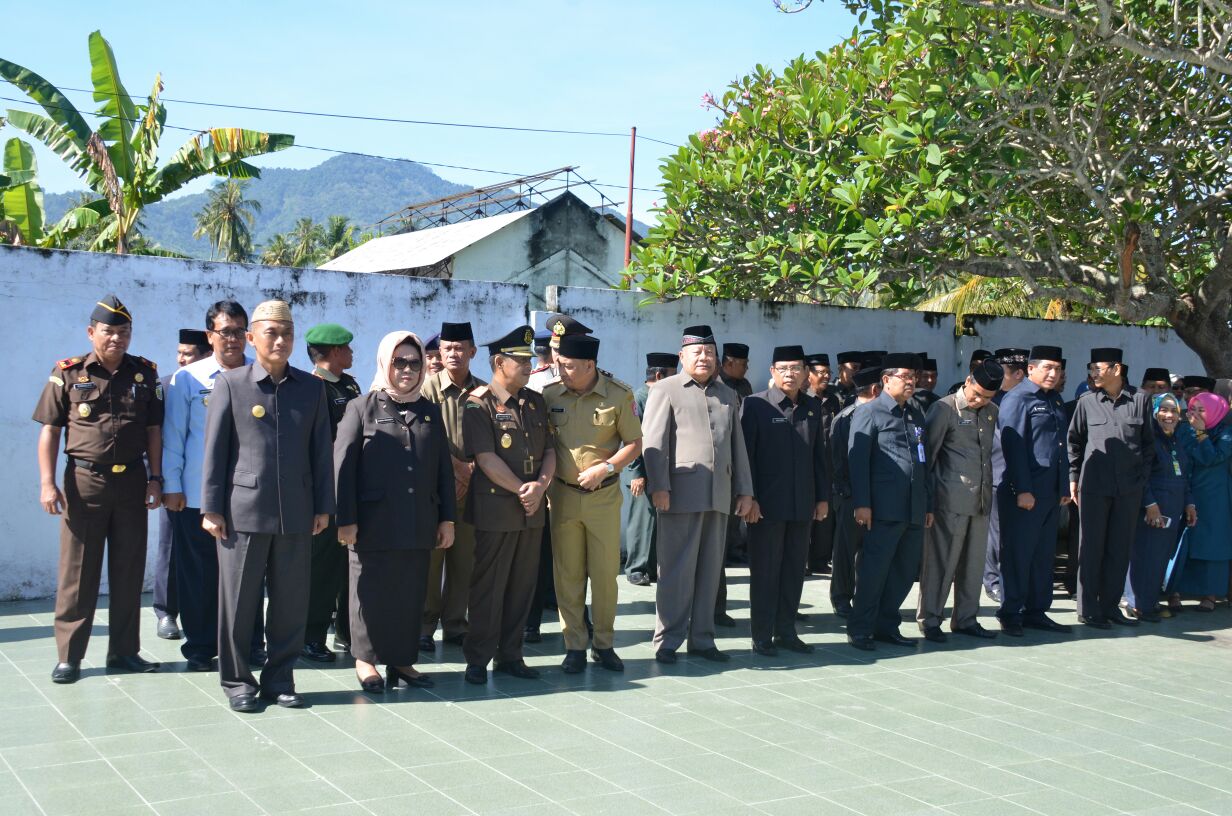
{"x":363,"y":189}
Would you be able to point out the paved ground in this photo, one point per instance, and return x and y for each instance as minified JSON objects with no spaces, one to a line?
{"x":1085,"y":725}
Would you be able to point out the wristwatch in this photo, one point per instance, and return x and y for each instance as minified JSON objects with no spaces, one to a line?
{"x":158,"y":479}
{"x":610,"y":468}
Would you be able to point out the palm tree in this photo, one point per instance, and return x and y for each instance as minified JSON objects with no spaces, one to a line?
{"x":278,"y":252}
{"x":339,"y":237}
{"x":227,"y":220}
{"x":306,"y":238}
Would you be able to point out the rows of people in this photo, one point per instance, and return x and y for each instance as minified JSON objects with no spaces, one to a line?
{"x":297,"y":501}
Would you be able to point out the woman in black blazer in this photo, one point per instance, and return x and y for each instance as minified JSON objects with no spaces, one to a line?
{"x":396,"y":503}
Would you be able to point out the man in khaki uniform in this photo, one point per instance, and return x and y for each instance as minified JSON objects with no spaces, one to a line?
{"x":449,"y":571}
{"x":505,"y":430}
{"x":596,"y":433}
{"x":696,"y":464}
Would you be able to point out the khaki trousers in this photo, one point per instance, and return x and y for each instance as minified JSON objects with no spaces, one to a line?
{"x":586,"y":546}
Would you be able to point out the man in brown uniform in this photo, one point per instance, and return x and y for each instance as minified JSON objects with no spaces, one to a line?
{"x":596,"y":432}
{"x":505,"y":429}
{"x":449,"y":571}
{"x":111,"y":407}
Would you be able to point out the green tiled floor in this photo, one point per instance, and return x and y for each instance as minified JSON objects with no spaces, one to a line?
{"x":1096,"y":723}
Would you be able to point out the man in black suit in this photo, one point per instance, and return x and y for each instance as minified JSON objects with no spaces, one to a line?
{"x":267,"y":488}
{"x":892,"y":496}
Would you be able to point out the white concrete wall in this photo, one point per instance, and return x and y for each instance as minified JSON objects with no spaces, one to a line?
{"x":48,"y":297}
{"x":629,"y":331}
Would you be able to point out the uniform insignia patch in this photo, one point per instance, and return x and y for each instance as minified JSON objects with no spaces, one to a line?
{"x":506,"y":441}
{"x":83,"y":410}
{"x":258,"y":411}
{"x":56,"y":380}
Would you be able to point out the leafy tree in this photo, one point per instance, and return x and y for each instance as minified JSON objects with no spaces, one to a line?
{"x":949,"y":142}
{"x":306,"y":239}
{"x":227,"y":220}
{"x":119,"y":161}
{"x":278,"y":252}
{"x":338,"y":238}
{"x":21,"y":197}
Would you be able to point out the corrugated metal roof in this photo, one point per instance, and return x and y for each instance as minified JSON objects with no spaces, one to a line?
{"x":421,"y":248}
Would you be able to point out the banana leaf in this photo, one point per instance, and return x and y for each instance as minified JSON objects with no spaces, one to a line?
{"x":23,"y":203}
{"x":58,"y":140}
{"x":116,"y":105}
{"x":210,"y":153}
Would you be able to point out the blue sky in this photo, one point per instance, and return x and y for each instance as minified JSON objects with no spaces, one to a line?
{"x":571,"y":64}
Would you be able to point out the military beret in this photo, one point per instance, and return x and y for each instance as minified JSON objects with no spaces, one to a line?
{"x":110,"y":311}
{"x":328,"y":334}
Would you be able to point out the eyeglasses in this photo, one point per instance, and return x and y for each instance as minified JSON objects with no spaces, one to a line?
{"x":904,"y":377}
{"x":1097,"y":369}
{"x":789,"y":369}
{"x":230,"y":334}
{"x":404,"y":363}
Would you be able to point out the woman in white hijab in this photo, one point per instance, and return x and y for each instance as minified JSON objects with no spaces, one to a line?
{"x":395,"y":504}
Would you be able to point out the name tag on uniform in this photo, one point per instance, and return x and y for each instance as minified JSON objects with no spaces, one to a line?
{"x":557,"y":410}
{"x":505,"y":417}
{"x":1037,"y":410}
{"x":383,"y":420}
{"x":340,"y":401}
{"x":778,"y":421}
{"x":966,"y":422}
{"x":206,"y":391}
{"x":86,"y":386}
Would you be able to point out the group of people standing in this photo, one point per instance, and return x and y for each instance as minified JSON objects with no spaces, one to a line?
{"x":296,"y":500}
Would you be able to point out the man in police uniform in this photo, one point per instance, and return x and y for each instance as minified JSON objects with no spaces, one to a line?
{"x":1111,"y":451}
{"x":449,"y":570}
{"x":1029,"y":472}
{"x":697,"y":468}
{"x":848,"y":536}
{"x":505,"y":430}
{"x":267,"y":488}
{"x":960,"y":429}
{"x":784,"y":433}
{"x":639,"y":526}
{"x":110,"y":406}
{"x":596,"y":433}
{"x":193,"y":346}
{"x":329,"y":349}
{"x":888,"y":450}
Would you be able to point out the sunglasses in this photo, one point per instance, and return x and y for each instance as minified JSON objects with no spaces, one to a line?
{"x":404,"y":363}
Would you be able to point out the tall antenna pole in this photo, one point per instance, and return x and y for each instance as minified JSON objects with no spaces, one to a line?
{"x":629,"y":200}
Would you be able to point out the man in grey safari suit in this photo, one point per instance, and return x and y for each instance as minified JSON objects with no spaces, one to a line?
{"x":267,"y":488}
{"x":696,"y":462}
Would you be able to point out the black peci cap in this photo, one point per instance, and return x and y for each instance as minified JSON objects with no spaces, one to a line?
{"x":979,"y":355}
{"x":1105,"y":355}
{"x":737,"y":351}
{"x":660,"y":359}
{"x":1157,"y":375}
{"x":928,"y":364}
{"x":845,"y":357}
{"x":697,"y":335}
{"x":787,"y":354}
{"x":901,"y":359}
{"x":457,"y":332}
{"x":579,"y":347}
{"x":817,"y":360}
{"x":866,"y":377}
{"x":194,"y":337}
{"x":988,"y":375}
{"x":1052,"y":353}
{"x":1199,"y":381}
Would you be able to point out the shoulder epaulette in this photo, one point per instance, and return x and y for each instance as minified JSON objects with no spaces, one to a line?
{"x":478,"y":393}
{"x":541,"y":368}
{"x":612,"y":378}
{"x":69,"y":362}
{"x":150,"y":363}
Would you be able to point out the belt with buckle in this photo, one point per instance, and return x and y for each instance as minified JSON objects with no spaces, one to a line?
{"x":101,"y":469}
{"x":608,"y":482}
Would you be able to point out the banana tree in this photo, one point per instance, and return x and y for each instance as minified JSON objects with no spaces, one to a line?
{"x":21,"y":197}
{"x":119,"y":160}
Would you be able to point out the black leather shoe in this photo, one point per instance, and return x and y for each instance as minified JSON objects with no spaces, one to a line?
{"x":666,"y":656}
{"x":476,"y":675}
{"x":895,"y":638}
{"x":1098,"y":623}
{"x":639,"y":579}
{"x":711,"y":654}
{"x":454,"y":640}
{"x":800,"y":616}
{"x":975,"y":630}
{"x":1148,"y":615}
{"x":393,"y":677}
{"x":862,"y":642}
{"x":316,"y":652}
{"x":724,"y":619}
{"x":793,"y":644}
{"x":1012,"y":628}
{"x":1120,"y":620}
{"x":933,"y":634}
{"x":132,"y":663}
{"x":608,"y":659}
{"x":765,"y":648}
{"x":530,"y":635}
{"x":843,"y":610}
{"x":1046,"y":624}
{"x":167,"y":629}
{"x":426,"y":643}
{"x":245,"y":703}
{"x":199,"y":664}
{"x":516,"y":668}
{"x":574,"y":662}
{"x":287,"y":699}
{"x":258,"y":658}
{"x":68,"y":672}
{"x":372,"y":685}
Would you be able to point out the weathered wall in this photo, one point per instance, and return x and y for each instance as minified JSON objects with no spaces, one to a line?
{"x":629,"y":331}
{"x":48,"y":297}
{"x":563,"y":242}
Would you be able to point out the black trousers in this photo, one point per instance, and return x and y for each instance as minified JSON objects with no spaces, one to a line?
{"x":821,"y":547}
{"x":1028,"y":549}
{"x":848,"y":541}
{"x":889,"y":565}
{"x":734,"y":543}
{"x":196,"y":564}
{"x":1109,"y":524}
{"x":544,"y":594}
{"x":327,"y":589}
{"x":501,"y":588}
{"x":778,"y":551}
{"x":166,"y":601}
{"x":285,"y":563}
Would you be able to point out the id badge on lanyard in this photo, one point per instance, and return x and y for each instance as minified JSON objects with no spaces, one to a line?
{"x":919,"y":443}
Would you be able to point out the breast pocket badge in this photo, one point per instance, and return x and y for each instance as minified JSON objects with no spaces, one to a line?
{"x":506,"y":441}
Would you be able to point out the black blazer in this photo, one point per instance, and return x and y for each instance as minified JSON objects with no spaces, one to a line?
{"x":787,"y":452}
{"x":887,"y":460}
{"x":394,"y":478}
